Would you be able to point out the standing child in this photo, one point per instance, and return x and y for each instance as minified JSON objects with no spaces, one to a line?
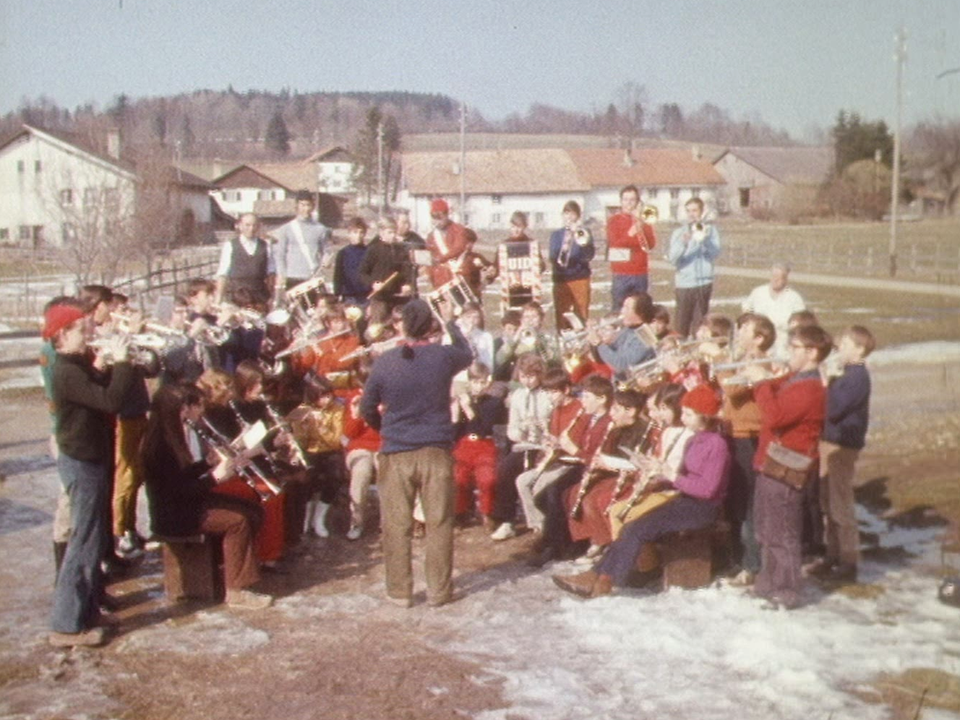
{"x":844,"y":435}
{"x":347,"y":281}
{"x":475,"y":414}
{"x":792,"y":410}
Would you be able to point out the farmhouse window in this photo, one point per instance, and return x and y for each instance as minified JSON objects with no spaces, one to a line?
{"x":495,"y":219}
{"x":674,"y":193}
{"x":89,"y":196}
{"x":496,"y":199}
{"x":24,"y":232}
{"x":4,"y":234}
{"x":744,"y":197}
{"x":37,"y":166}
{"x":653,"y":192}
{"x":66,"y":197}
{"x":538,"y":218}
{"x":695,"y":192}
{"x":21,"y":167}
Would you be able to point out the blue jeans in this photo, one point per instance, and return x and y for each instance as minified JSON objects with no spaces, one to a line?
{"x":683,"y":513}
{"x":623,"y":285}
{"x":76,"y":597}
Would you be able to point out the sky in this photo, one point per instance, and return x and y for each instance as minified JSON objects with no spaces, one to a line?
{"x":792,"y":64}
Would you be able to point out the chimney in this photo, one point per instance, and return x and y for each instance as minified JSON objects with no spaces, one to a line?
{"x":217,"y":167}
{"x":697,"y":155}
{"x":628,"y":160}
{"x":113,"y":143}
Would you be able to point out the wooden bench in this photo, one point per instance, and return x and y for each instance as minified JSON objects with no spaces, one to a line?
{"x":191,"y":567}
{"x":686,"y":557}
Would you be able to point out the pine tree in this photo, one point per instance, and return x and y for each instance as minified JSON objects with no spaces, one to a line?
{"x":277,"y":138}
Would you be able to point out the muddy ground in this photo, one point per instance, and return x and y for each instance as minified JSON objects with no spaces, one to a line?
{"x":331,"y":647}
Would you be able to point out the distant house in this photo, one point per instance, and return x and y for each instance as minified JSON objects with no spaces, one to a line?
{"x":771,"y":180}
{"x":240,"y":188}
{"x":334,"y":166}
{"x":540,"y":180}
{"x":54,"y":186}
{"x":269,"y":190}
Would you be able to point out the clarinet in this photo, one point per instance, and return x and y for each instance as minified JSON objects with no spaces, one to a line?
{"x":210,"y":438}
{"x":250,"y":473}
{"x":588,"y":478}
{"x":244,"y":425}
{"x":298,"y":457}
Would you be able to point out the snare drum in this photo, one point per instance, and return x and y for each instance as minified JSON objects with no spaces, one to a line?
{"x":457,"y":291}
{"x":303,"y":298}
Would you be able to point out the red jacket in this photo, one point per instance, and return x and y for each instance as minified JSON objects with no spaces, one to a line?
{"x":792,"y":409}
{"x":588,"y":441}
{"x":618,"y":227}
{"x":359,"y":434}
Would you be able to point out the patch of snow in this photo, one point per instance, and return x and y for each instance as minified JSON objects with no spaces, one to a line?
{"x":217,"y":632}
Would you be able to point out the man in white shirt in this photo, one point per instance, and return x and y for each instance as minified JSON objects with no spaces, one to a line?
{"x":778,"y":302}
{"x":246,"y":262}
{"x":300,"y":245}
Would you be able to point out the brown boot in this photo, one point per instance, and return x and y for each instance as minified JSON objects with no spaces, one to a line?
{"x":581,"y":584}
{"x":603,"y":586}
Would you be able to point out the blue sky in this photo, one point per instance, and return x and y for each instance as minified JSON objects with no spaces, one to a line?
{"x":795,"y":64}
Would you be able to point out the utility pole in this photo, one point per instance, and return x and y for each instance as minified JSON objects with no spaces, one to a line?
{"x":900,"y":56}
{"x":463,"y":163}
{"x":380,"y":202}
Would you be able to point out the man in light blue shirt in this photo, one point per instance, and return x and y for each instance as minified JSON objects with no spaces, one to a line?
{"x":300,"y":244}
{"x":693,"y":249}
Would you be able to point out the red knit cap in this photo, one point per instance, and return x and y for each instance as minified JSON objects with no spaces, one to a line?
{"x":703,"y":400}
{"x":58,"y":317}
{"x":439,"y":206}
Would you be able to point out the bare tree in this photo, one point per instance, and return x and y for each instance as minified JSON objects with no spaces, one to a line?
{"x":90,"y":208}
{"x":937,"y":145}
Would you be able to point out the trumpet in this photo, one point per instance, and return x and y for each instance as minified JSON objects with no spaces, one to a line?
{"x":645,"y":214}
{"x":143,"y":348}
{"x":740,"y":379}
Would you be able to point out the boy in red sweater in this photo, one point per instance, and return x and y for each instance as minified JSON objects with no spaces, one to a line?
{"x":792,"y":412}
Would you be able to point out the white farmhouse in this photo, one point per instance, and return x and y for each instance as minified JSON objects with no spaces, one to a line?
{"x":539,"y":181}
{"x":55,"y":187}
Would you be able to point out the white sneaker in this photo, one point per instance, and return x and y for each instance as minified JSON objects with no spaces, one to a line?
{"x":593,"y":551}
{"x":127,"y":548}
{"x":504,"y":532}
{"x":247,"y":600}
{"x":354,"y":532}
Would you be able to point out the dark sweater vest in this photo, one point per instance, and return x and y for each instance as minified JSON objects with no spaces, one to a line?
{"x":248,"y":271}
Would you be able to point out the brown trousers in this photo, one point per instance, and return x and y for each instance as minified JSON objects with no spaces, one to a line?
{"x":842,"y":536}
{"x":571,"y":296}
{"x":429,"y":473}
{"x":240,"y":567}
{"x":127,"y":474}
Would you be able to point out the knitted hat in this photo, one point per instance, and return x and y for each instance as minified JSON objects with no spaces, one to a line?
{"x":58,"y":317}
{"x":417,"y":319}
{"x":439,"y":205}
{"x":703,"y":400}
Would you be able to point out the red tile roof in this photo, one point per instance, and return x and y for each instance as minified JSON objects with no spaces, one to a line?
{"x":549,"y":170}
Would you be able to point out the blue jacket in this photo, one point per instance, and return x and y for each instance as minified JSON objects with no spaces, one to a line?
{"x":415,"y":394}
{"x":694,"y":261}
{"x":848,"y":408}
{"x":626,"y":350}
{"x":578,"y":266}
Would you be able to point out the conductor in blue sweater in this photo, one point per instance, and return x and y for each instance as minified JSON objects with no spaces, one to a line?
{"x":407,"y":398}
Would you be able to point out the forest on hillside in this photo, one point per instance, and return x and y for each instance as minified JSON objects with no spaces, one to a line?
{"x":259,"y":125}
